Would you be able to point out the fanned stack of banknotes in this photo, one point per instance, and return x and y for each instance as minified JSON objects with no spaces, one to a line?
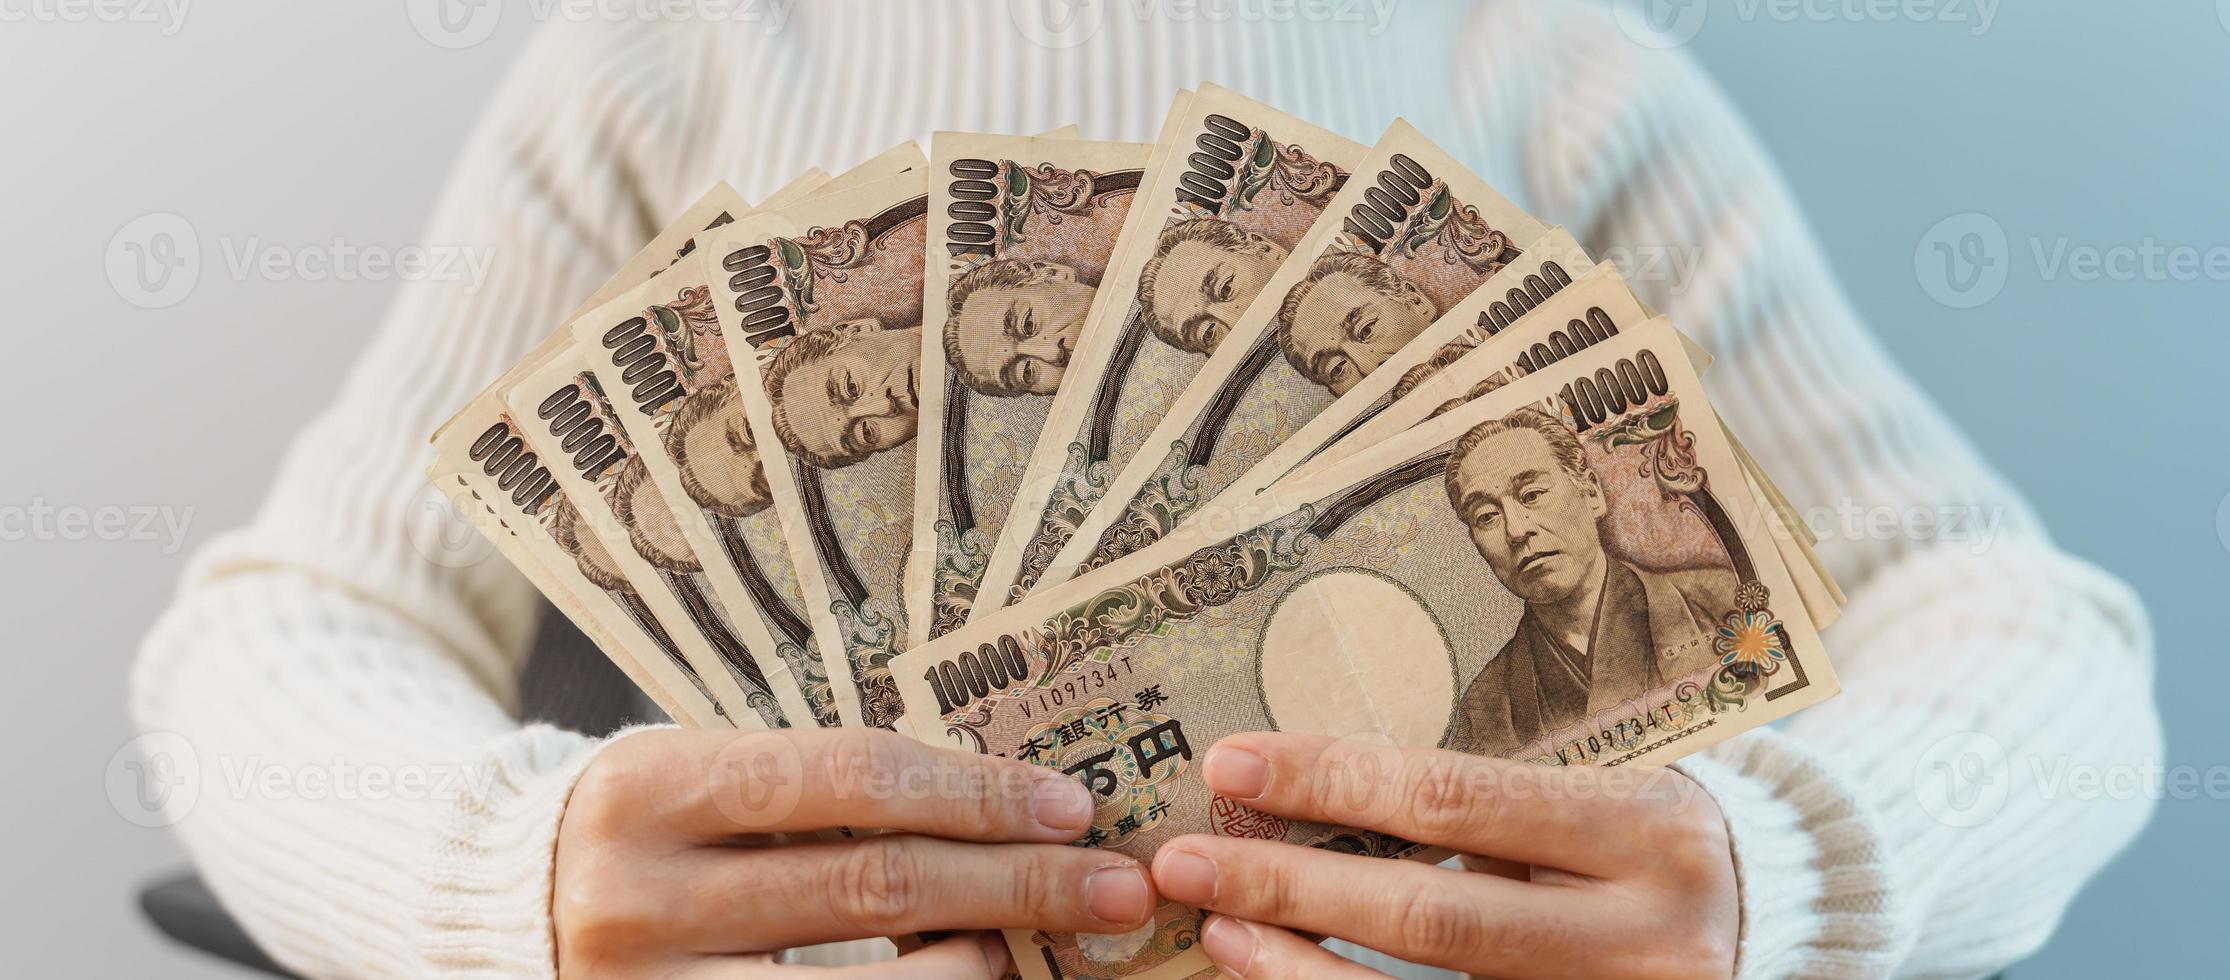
{"x":1093,"y":453}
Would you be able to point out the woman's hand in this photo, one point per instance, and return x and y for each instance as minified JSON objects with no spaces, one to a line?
{"x":1587,"y":872}
{"x":692,"y":854}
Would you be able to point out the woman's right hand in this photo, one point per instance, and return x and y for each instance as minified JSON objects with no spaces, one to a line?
{"x":691,"y":854}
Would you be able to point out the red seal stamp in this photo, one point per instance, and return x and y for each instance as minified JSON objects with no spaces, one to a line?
{"x":1231,"y":819}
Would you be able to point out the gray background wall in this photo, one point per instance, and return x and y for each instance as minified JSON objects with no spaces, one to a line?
{"x":2096,"y":124}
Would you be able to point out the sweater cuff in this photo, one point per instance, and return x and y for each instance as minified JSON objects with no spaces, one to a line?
{"x":1813,"y":870}
{"x":493,"y":867}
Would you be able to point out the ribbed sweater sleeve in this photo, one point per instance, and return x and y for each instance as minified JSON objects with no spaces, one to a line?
{"x":1915,"y":825}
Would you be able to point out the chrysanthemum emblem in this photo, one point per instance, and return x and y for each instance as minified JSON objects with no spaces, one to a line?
{"x":1752,"y":638}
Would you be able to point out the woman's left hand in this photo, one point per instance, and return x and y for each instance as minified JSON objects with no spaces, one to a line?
{"x":1575,"y":871}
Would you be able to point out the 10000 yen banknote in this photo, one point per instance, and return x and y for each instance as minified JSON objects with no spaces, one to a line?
{"x":572,"y":424}
{"x":606,"y":625}
{"x":659,"y":349}
{"x":1594,"y":308}
{"x":1544,"y":267}
{"x":751,"y":567}
{"x":484,"y":455}
{"x":489,"y":452}
{"x":1021,"y":230}
{"x":821,"y":308}
{"x":1239,"y":186}
{"x":678,"y":239}
{"x":1569,"y":570}
{"x":1416,"y":234}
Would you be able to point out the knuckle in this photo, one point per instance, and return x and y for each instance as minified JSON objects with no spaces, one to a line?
{"x":598,"y":805}
{"x":876,"y":883}
{"x":1353,"y":784}
{"x":988,"y":800}
{"x":1030,"y":882}
{"x":1443,"y":803}
{"x":597,"y":921}
{"x":1715,"y":952}
{"x":1435,"y":924}
{"x":573,"y":908}
{"x":1276,"y":896}
{"x":857,"y":756}
{"x":1326,"y":792}
{"x":1694,"y":847}
{"x":1709,"y":953}
{"x":1336,"y":784}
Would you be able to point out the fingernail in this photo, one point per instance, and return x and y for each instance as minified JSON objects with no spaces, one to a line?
{"x":1117,"y":895}
{"x":1230,"y":943}
{"x":1060,"y":803}
{"x":1237,"y":773}
{"x":1185,"y":877}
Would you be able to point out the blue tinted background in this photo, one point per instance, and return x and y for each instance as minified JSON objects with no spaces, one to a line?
{"x":2100,"y":122}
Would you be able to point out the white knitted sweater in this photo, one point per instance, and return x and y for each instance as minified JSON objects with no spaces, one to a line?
{"x":320,"y":638}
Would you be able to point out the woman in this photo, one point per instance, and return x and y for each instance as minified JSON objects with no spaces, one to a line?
{"x":318,"y":636}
